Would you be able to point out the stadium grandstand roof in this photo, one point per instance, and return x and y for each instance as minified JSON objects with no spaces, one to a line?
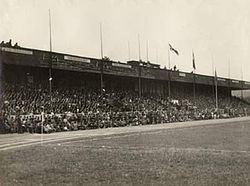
{"x":17,"y":55}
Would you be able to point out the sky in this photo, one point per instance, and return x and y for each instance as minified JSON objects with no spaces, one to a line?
{"x":217,"y":31}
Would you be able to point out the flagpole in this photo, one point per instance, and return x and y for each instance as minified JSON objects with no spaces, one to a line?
{"x":177,"y":53}
{"x":229,"y":80}
{"x":241,"y":82}
{"x":169,"y":59}
{"x":101,"y":68}
{"x":42,"y":124}
{"x":50,"y":65}
{"x":128,"y":51}
{"x":147,"y":50}
{"x":101,"y":41}
{"x":169,"y":75}
{"x":139,"y":80}
{"x":216,"y":90}
{"x":194,"y":87}
{"x":194,"y":68}
{"x":139,"y":47}
{"x":157,"y":55}
{"x":139,"y":67}
{"x":216,"y":95}
{"x":213,"y":82}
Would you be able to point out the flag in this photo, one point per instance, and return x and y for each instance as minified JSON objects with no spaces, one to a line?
{"x":174,"y":50}
{"x":194,"y":67}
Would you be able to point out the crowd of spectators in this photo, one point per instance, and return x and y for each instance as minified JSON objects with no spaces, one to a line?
{"x":36,"y":110}
{"x":9,"y":44}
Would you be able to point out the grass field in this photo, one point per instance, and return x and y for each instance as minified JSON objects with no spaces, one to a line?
{"x":217,"y":154}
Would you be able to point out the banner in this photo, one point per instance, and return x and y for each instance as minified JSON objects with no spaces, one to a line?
{"x":15,"y":50}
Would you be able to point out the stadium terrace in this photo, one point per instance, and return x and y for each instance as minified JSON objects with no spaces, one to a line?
{"x":44,"y":91}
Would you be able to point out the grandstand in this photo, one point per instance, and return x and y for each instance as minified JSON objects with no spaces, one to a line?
{"x":88,"y":93}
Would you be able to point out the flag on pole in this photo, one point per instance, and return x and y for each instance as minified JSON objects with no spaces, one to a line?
{"x":194,"y":67}
{"x":174,"y":50}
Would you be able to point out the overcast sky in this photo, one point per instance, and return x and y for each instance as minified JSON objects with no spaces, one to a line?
{"x":216,"y":30}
